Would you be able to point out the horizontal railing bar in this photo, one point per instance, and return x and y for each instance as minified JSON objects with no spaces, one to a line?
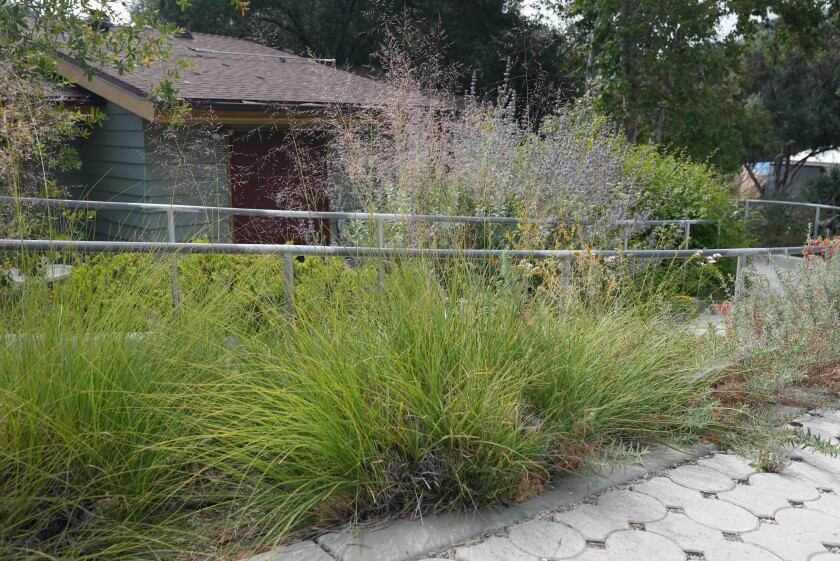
{"x":307,"y":214}
{"x":791,"y":203}
{"x":342,"y":251}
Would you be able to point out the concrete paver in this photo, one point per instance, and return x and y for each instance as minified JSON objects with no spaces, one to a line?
{"x":756,"y":500}
{"x":730,"y":465}
{"x":685,"y":532}
{"x":711,"y":512}
{"x":701,"y":479}
{"x":798,"y":534}
{"x":667,"y":492}
{"x":829,"y":504}
{"x":827,"y":424}
{"x":494,"y":549}
{"x":825,"y":463}
{"x":630,"y":545}
{"x":817,"y":477}
{"x":784,"y":485}
{"x":614,"y":511}
{"x":721,"y":515}
{"x":720,"y":509}
{"x":829,"y":414}
{"x":824,"y":427}
{"x":737,"y":551}
{"x":547,"y":540}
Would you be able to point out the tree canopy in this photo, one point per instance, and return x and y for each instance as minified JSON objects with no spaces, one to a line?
{"x":734,"y":81}
{"x":481,"y":36}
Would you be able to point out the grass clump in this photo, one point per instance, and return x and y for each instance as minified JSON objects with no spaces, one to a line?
{"x":458,"y":386}
{"x":788,"y":358}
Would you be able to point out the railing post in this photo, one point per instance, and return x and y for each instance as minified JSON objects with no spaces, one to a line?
{"x":816,"y":223}
{"x":739,"y":275}
{"x":288,"y":283}
{"x":626,"y":235}
{"x":565,"y":272}
{"x":380,"y":242}
{"x":333,"y":231}
{"x":687,"y":226}
{"x":173,"y":267}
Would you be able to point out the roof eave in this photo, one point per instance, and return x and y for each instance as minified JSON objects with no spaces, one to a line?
{"x":221,"y":111}
{"x":107,"y":87}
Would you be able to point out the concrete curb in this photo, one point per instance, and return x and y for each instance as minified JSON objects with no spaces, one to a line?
{"x":404,"y":540}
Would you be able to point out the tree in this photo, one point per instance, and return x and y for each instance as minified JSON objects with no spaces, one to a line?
{"x":794,"y":83}
{"x":480,"y":35}
{"x":669,"y":72}
{"x":661,"y":70}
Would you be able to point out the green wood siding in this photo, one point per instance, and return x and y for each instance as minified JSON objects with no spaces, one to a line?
{"x":74,"y":180}
{"x":130,"y":160}
{"x":114,"y":164}
{"x":188,"y":167}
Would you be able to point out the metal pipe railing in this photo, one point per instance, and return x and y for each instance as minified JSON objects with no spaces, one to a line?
{"x":387,"y":252}
{"x":311,"y":214}
{"x":790,"y":203}
{"x":289,"y":251}
{"x":815,"y":227}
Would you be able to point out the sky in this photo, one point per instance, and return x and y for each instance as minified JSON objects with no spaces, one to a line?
{"x":120,"y":8}
{"x":537,"y":8}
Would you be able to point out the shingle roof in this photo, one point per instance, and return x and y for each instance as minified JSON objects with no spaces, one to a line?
{"x":226,"y":70}
{"x":56,"y":93}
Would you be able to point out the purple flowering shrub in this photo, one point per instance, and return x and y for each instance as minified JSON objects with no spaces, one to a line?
{"x":424,"y":151}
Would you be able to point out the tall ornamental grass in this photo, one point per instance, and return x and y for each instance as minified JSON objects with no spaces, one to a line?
{"x":127,"y":432}
{"x":95,"y":458}
{"x":422,"y":148}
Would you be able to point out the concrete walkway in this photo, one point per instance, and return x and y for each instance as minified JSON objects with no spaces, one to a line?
{"x":717,"y":508}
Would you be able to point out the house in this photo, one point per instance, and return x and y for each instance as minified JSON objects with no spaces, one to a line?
{"x":252,"y":140}
{"x":803,"y":169}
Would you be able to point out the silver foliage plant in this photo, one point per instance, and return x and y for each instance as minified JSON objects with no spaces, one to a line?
{"x":422,"y":150}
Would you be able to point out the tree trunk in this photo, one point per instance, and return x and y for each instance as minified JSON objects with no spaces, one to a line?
{"x":661,"y":109}
{"x":628,"y":71}
{"x":591,"y":64}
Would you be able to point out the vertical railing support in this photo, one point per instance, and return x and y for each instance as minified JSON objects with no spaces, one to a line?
{"x":739,"y":275}
{"x":173,"y":267}
{"x":816,"y":223}
{"x":565,"y":272}
{"x":333,"y":231}
{"x":288,"y":283}
{"x":380,"y":242}
{"x":687,"y":227}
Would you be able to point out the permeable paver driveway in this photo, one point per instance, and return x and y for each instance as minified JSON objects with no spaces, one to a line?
{"x":718,"y":509}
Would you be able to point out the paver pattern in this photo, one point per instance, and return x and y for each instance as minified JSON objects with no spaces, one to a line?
{"x":719,"y":509}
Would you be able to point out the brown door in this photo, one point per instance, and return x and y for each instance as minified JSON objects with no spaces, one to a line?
{"x":278,"y":170}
